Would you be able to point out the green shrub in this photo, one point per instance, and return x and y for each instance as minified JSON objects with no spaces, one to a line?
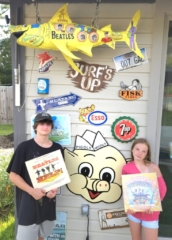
{"x":7,"y":229}
{"x":6,"y":189}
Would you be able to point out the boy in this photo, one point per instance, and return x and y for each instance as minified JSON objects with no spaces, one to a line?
{"x":36,"y":209}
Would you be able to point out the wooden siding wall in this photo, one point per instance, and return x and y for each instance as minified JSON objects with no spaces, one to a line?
{"x":107,"y":100}
{"x":6,"y":105}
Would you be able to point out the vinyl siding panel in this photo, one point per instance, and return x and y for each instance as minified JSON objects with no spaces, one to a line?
{"x":107,"y":100}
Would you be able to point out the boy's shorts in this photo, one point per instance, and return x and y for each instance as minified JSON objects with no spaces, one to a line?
{"x":147,"y":224}
{"x":34,"y":231}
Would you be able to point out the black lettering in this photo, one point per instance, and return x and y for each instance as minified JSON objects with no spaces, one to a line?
{"x":123,"y":93}
{"x":138,"y":93}
{"x":53,"y":34}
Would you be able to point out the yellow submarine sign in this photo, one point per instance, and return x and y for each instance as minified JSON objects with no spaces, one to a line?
{"x":60,"y":33}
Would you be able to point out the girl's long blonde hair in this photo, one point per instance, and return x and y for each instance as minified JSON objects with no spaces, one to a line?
{"x":142,"y":141}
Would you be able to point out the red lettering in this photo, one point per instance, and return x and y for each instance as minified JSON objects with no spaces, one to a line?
{"x":97,"y":118}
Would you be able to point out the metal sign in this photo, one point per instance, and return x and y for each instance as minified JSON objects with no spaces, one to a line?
{"x":129,"y":60}
{"x":43,"y":105}
{"x":97,"y":118}
{"x":124,"y":129}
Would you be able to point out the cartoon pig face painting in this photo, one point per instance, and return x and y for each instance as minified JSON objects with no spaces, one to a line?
{"x":95,"y":169}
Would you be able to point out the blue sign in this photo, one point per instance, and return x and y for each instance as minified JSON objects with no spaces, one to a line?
{"x":43,"y":86}
{"x":43,"y":105}
{"x":97,"y":118}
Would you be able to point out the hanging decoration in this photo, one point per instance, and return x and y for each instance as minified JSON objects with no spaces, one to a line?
{"x":45,"y":62}
{"x":97,"y":118}
{"x":95,"y":76}
{"x":129,"y":60}
{"x":60,"y":33}
{"x":113,"y":218}
{"x":84,"y":112}
{"x":44,"y":104}
{"x":124,"y":129}
{"x":131,"y":92}
{"x":95,"y":168}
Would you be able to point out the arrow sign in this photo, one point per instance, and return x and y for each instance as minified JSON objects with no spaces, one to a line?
{"x":42,"y":105}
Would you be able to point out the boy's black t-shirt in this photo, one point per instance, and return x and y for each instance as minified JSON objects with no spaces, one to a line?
{"x":29,"y":210}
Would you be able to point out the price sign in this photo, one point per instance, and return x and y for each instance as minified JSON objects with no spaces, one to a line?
{"x":129,"y":60}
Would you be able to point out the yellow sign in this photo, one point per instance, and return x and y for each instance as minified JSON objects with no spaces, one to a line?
{"x":60,"y":33}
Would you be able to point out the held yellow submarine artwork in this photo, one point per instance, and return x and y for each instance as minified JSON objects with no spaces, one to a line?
{"x":60,"y":33}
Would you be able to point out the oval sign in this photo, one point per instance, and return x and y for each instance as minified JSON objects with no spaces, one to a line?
{"x":97,"y":118}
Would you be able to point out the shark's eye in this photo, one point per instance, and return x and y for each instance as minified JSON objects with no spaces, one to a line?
{"x":24,"y":25}
{"x":85,"y":169}
{"x":107,"y":174}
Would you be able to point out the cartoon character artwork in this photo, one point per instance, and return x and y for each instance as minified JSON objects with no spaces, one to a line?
{"x":60,"y":33}
{"x":95,"y":168}
{"x":131,"y":92}
{"x":84,"y":112}
{"x":45,"y":61}
{"x":136,"y":85}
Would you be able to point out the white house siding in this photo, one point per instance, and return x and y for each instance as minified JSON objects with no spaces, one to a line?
{"x":107,"y":100}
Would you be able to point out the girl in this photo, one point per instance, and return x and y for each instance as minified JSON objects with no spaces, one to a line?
{"x":141,"y":163}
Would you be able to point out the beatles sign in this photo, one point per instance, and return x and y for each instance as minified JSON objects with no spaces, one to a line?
{"x":95,"y":77}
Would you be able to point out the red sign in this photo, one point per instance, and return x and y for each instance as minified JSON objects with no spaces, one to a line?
{"x":124,"y":129}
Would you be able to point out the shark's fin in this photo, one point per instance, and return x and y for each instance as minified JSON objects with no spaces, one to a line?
{"x":85,"y":50}
{"x":107,"y":28}
{"x":61,"y":16}
{"x":71,"y":63}
{"x":111,"y":44}
{"x":131,"y":33}
{"x":63,"y":48}
{"x":134,"y":20}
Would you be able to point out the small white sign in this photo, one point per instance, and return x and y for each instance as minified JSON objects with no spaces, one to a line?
{"x":113,"y":218}
{"x":129,"y":60}
{"x":48,"y":171}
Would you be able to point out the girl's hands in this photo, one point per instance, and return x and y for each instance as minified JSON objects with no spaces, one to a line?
{"x":148,"y":211}
{"x":130,"y":211}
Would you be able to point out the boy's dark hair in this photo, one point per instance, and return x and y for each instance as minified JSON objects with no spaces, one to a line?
{"x":43,"y":121}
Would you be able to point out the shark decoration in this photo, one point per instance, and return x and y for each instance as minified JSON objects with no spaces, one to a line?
{"x":60,"y":33}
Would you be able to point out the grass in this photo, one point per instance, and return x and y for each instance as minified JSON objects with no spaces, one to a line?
{"x":6,"y":129}
{"x":7,"y":229}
